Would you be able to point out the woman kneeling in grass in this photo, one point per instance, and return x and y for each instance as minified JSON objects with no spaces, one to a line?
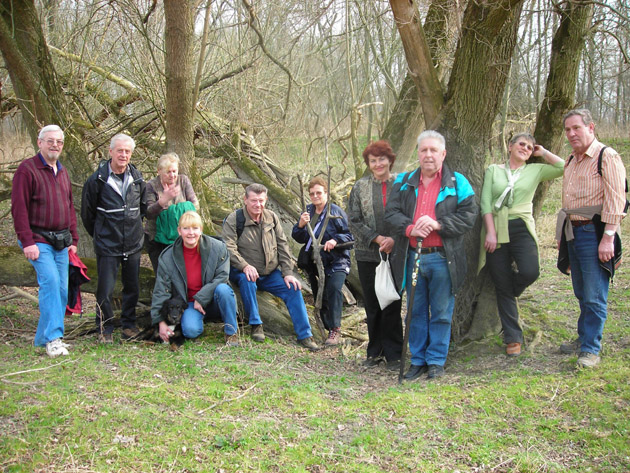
{"x":195,"y":268}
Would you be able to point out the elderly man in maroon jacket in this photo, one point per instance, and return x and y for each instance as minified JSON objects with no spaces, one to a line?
{"x":46,"y":227}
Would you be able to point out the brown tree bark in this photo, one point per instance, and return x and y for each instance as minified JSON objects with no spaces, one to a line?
{"x":419,"y":59}
{"x":40,"y":94}
{"x":566,"y":53}
{"x":465,"y":116}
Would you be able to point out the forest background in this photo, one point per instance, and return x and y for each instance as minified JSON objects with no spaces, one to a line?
{"x":271,"y":91}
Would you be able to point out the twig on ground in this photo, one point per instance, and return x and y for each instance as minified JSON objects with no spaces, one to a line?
{"x":21,"y":293}
{"x":229,"y":400}
{"x":37,"y":369}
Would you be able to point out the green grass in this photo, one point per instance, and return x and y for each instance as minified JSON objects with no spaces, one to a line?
{"x":273,"y":407}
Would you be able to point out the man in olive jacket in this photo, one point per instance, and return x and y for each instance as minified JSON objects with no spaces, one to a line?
{"x":113,"y":204}
{"x":261,"y":260}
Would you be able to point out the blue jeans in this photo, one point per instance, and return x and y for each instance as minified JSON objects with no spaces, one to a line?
{"x":274,"y":284}
{"x":223,"y":307}
{"x":430,"y":327}
{"x":590,"y":286}
{"x":52,"y":276}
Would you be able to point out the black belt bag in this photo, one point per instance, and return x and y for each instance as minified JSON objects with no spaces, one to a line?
{"x":59,"y":240}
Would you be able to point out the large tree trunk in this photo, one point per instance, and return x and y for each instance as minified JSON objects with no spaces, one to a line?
{"x":179,"y":16}
{"x":566,"y":53}
{"x":19,"y":272}
{"x":40,"y":95}
{"x":476,"y":85}
{"x":407,"y":118}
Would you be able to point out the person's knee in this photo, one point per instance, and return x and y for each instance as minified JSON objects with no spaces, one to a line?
{"x":223,"y":291}
{"x":193,"y":330}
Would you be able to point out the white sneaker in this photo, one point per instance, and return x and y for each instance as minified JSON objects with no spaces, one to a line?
{"x":64,"y":344}
{"x":56,"y":348}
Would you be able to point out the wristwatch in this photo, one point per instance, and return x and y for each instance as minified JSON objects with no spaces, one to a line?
{"x":609,"y":232}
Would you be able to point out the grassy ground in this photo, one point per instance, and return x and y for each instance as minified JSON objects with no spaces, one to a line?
{"x":274,"y":407}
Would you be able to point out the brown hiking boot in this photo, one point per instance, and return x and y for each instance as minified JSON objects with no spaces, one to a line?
{"x":130,"y":333}
{"x":513,"y":349}
{"x":232,"y":340}
{"x":309,"y":343}
{"x":258,"y":335}
{"x":571,"y":348}
{"x":334,"y":337}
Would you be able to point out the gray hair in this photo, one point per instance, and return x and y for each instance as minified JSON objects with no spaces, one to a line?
{"x":255,"y":189}
{"x":587,"y":118}
{"x":49,"y":129}
{"x":526,"y":136}
{"x":432,"y":134}
{"x":122,"y":137}
{"x":166,"y":160}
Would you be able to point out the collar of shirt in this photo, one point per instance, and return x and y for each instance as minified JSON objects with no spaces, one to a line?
{"x":59,"y":166}
{"x":592,"y":150}
{"x":111,"y":171}
{"x":438,"y":176}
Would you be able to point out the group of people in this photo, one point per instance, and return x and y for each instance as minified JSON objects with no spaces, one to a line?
{"x":416,"y":219}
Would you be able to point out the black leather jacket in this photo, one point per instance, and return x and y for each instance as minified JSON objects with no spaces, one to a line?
{"x":114,"y":223}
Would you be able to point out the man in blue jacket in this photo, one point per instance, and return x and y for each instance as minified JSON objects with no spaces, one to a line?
{"x":113,"y":204}
{"x":429,"y":211}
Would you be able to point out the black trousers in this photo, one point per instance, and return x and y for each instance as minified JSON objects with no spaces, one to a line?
{"x":332,"y":300}
{"x":107,"y":270}
{"x":384,"y":326}
{"x":509,"y":283}
{"x":154,"y":249}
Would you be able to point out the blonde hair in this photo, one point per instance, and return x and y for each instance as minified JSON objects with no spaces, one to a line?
{"x":166,"y":160}
{"x":190,"y":219}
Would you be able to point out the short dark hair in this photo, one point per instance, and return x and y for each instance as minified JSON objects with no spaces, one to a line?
{"x":255,"y":189}
{"x":379,"y":148}
{"x":317,"y":181}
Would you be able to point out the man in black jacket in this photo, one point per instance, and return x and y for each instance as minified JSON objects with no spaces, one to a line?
{"x":429,"y":211}
{"x":112,"y":207}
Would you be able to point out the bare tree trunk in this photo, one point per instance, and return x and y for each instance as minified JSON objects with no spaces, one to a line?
{"x":566,"y":52}
{"x":179,"y":16}
{"x":476,"y":85}
{"x":419,"y":60}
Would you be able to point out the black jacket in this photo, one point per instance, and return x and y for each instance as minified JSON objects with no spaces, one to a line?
{"x":337,"y":229}
{"x":456,"y":209}
{"x":609,"y":266}
{"x":114,"y":224}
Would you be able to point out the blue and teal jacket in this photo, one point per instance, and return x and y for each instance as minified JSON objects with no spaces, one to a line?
{"x":455,"y":208}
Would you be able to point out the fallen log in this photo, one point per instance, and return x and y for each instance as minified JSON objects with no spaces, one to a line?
{"x":19,"y":272}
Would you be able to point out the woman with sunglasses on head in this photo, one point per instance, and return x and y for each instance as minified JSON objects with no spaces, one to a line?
{"x":509,"y":234}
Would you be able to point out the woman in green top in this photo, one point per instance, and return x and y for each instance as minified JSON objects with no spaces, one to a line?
{"x":509,"y":234}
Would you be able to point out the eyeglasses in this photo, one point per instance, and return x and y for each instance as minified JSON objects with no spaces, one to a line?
{"x":315,"y":193}
{"x":54,"y":142}
{"x":526,"y":145}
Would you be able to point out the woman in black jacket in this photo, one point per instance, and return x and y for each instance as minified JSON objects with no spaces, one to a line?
{"x":336,"y":260}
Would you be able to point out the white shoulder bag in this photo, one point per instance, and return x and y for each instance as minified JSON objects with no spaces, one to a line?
{"x":384,"y":284}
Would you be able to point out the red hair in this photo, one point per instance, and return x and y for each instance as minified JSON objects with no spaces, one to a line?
{"x":379,"y":148}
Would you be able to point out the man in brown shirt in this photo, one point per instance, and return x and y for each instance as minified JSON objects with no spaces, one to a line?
{"x":593,"y":201}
